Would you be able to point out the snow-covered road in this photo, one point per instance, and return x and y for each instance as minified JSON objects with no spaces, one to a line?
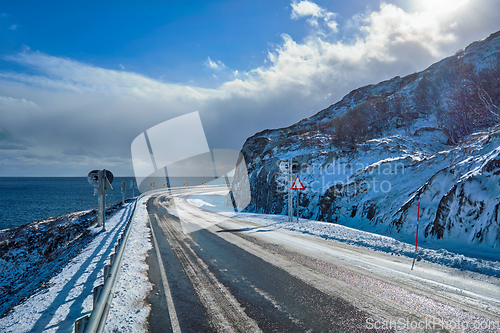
{"x":430,"y":298}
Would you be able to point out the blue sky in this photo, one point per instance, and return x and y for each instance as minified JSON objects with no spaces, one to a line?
{"x":79,"y":80}
{"x":164,"y":40}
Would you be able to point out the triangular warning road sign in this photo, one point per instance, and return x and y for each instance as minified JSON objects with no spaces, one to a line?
{"x":297,"y":185}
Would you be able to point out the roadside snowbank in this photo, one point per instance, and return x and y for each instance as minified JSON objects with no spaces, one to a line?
{"x":468,"y":259}
{"x":129,"y":310}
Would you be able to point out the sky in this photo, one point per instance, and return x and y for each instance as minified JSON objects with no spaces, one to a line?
{"x":80,"y":80}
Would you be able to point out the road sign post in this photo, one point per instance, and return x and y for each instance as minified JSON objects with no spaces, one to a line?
{"x":101,"y":180}
{"x":298,"y":201}
{"x":297,"y":186}
{"x":290,"y":193}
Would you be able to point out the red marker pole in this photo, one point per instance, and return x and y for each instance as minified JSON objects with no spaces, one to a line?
{"x":416,"y":237}
{"x":418,"y":215}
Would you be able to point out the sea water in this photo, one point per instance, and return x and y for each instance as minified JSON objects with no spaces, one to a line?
{"x":28,"y":199}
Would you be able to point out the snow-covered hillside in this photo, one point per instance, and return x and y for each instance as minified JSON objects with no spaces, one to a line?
{"x":367,"y":160}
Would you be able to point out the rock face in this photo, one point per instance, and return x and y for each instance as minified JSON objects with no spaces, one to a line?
{"x":367,"y":160}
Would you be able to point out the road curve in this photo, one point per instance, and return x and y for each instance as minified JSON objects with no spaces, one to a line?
{"x":213,"y":273}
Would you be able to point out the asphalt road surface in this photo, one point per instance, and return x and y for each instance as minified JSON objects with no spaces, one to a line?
{"x":214,"y":273}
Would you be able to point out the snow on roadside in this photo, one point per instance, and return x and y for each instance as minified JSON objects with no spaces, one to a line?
{"x":340,"y":233}
{"x":129,"y":310}
{"x":199,"y":203}
{"x":467,"y":260}
{"x":68,"y":295}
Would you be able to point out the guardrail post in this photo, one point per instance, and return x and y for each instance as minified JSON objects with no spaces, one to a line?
{"x":96,"y":293}
{"x":107,"y":271}
{"x":81,"y":323}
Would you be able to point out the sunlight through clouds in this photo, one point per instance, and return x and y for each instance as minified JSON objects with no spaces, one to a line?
{"x":437,"y":7}
{"x":385,"y":37}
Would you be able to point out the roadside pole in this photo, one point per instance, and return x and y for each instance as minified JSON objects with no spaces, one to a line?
{"x":102,"y":201}
{"x":124,"y":189}
{"x":290,"y":192}
{"x":230,"y":192}
{"x":416,"y":237}
{"x":104,"y":186}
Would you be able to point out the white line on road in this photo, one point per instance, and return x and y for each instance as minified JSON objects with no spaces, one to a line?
{"x":176,"y":328}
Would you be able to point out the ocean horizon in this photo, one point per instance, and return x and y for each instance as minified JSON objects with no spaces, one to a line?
{"x":28,"y":199}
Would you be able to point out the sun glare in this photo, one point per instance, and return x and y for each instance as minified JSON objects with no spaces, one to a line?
{"x":439,"y":6}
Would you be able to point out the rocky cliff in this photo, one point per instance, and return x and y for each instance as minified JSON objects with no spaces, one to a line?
{"x":369,"y":159}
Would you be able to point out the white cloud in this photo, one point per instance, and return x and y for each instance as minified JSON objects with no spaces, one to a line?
{"x":214,"y":65}
{"x":13,"y":27}
{"x":9,"y":103}
{"x":72,"y":106}
{"x":306,"y":8}
{"x":392,"y":26}
{"x":121,"y":66}
{"x":332,"y":25}
{"x":388,"y":42}
{"x":210,"y":64}
{"x":66,"y":74}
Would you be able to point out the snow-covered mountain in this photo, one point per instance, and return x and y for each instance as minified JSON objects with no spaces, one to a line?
{"x":369,"y":159}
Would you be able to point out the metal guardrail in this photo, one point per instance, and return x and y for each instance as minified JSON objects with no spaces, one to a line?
{"x":103,"y":294}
